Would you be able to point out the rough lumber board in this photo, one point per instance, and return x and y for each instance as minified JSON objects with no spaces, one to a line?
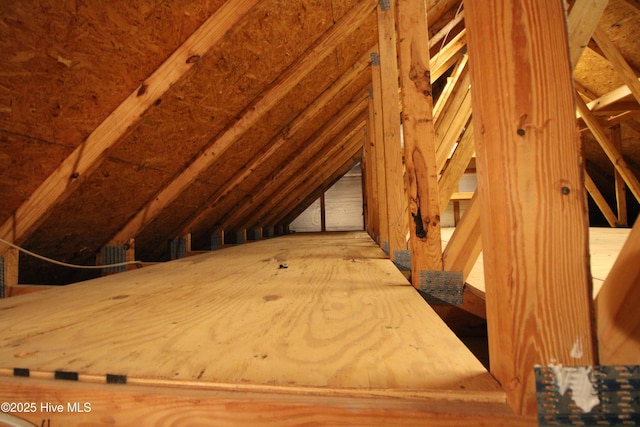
{"x":582,"y":21}
{"x":283,"y":139}
{"x":378,"y":138}
{"x":601,"y":202}
{"x":609,"y":99}
{"x":153,"y":407}
{"x":10,"y":268}
{"x":614,"y":155}
{"x":396,"y":192}
{"x":627,"y":74}
{"x":465,"y":244}
{"x":456,"y":167}
{"x":340,"y":320}
{"x":268,"y":99}
{"x":448,"y":55}
{"x":16,"y":290}
{"x":87,"y":157}
{"x":421,"y":176}
{"x":617,"y":307}
{"x":534,"y":227}
{"x":620,"y":186}
{"x":371,"y":192}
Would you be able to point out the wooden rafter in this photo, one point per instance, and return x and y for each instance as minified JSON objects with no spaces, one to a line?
{"x":286,"y":82}
{"x":531,"y":193}
{"x":260,"y":201}
{"x":351,"y":152}
{"x":457,"y":166}
{"x":281,"y":141}
{"x":89,"y":155}
{"x":280,"y":202}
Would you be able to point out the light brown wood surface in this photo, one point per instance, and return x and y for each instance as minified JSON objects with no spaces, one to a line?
{"x":534,"y":223}
{"x":339,"y":320}
{"x":604,"y":246}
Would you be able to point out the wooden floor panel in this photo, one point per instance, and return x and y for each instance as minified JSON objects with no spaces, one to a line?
{"x":316,"y":313}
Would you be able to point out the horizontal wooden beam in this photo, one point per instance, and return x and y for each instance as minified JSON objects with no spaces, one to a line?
{"x":91,"y":152}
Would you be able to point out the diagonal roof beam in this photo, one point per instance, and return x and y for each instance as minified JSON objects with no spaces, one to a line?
{"x":287,"y":198}
{"x":270,"y":98}
{"x":281,"y":141}
{"x":93,"y":151}
{"x":312,"y":149}
{"x":582,"y":21}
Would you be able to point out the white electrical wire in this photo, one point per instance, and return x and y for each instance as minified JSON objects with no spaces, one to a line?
{"x":446,"y":36}
{"x":64,"y":264}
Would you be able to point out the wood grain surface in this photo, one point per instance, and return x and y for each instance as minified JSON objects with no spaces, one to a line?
{"x":338,"y":319}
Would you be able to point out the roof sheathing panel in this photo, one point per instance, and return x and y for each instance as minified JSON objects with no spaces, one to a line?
{"x":66,"y":67}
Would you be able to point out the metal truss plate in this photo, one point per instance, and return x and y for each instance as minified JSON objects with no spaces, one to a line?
{"x":442,"y":287}
{"x":613,"y":398}
{"x":402,"y":260}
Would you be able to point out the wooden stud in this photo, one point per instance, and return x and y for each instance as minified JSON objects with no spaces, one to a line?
{"x":599,"y":199}
{"x":270,"y":98}
{"x":372,"y":187}
{"x":447,"y":56}
{"x":323,"y":213}
{"x":617,"y":307}
{"x":534,"y":222}
{"x":9,"y":271}
{"x":89,"y":155}
{"x":396,"y":192}
{"x":378,"y":137}
{"x":421,"y":176}
{"x":620,"y":186}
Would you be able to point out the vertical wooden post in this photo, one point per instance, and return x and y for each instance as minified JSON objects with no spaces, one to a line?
{"x":323,"y":213}
{"x":421,"y":178}
{"x":371,"y":171}
{"x":378,"y":138}
{"x":620,"y":186}
{"x":396,"y":195}
{"x":8,"y":271}
{"x":534,"y":219}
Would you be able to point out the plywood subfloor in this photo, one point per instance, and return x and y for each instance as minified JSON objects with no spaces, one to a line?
{"x":317,"y":313}
{"x":604,"y":246}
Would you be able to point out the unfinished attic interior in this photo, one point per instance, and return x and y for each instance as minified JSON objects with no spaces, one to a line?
{"x":469,"y":173}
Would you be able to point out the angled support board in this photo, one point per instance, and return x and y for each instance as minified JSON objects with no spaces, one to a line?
{"x":396,"y":192}
{"x":88,"y":156}
{"x":599,"y":199}
{"x":609,"y":148}
{"x":534,"y":227}
{"x":617,"y":306}
{"x":583,"y":20}
{"x":421,"y":176}
{"x":620,"y":186}
{"x":287,"y":81}
{"x":626,"y":73}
